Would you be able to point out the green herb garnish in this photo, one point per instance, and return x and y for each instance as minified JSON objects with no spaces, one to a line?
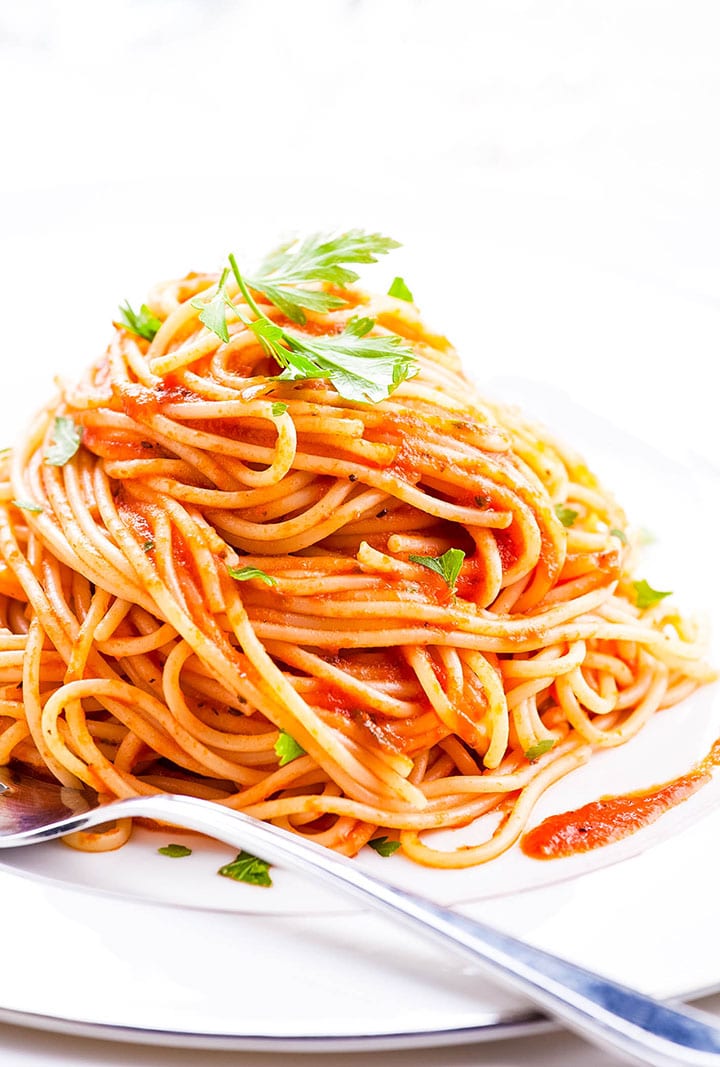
{"x":538,"y":750}
{"x":384,"y":846}
{"x":447,"y":566}
{"x":361,"y":367}
{"x":247,"y":868}
{"x":620,"y":534}
{"x":278,"y":408}
{"x":399,"y":290}
{"x":287,"y":749}
{"x":318,"y":258}
{"x":646,"y":596}
{"x":244,"y":574}
{"x":142,"y":322}
{"x":212,"y":312}
{"x":148,"y":546}
{"x":175,"y":851}
{"x":67,"y":436}
{"x":27,"y":505}
{"x":566,"y":515}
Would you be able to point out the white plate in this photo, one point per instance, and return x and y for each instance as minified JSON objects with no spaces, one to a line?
{"x":144,"y":946}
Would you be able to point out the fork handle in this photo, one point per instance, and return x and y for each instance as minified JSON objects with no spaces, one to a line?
{"x":636,"y":1027}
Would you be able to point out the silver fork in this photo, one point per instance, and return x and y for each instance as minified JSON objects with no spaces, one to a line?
{"x":632,"y":1025}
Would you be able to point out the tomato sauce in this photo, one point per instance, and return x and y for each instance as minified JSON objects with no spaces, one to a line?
{"x":137,"y":517}
{"x":509,"y":546}
{"x":138,"y":400}
{"x":613,"y":818}
{"x":471,"y":580}
{"x":117,"y":445}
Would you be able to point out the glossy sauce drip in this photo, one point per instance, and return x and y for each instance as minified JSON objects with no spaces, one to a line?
{"x":612,"y":818}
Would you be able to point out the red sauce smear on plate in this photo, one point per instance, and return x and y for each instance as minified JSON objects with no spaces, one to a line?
{"x":615,"y":817}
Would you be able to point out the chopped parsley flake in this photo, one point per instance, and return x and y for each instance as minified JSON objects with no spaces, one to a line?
{"x":566,"y":515}
{"x":384,"y":846}
{"x":646,"y":596}
{"x":400,"y":291}
{"x":287,"y":749}
{"x":539,"y":749}
{"x":27,"y":505}
{"x":175,"y":851}
{"x":247,"y":868}
{"x":244,"y":574}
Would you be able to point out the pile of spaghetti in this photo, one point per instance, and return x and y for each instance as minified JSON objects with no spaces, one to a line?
{"x":345,"y":613}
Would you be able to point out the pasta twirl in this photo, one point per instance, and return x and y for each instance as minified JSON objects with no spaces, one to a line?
{"x":229,"y":558}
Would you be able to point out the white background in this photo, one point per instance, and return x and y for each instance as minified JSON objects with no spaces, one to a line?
{"x":552,"y":167}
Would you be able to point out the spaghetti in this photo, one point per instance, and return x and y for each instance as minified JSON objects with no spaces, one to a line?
{"x":229,"y":559}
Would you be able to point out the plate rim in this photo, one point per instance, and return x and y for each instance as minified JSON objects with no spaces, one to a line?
{"x":503,"y":1026}
{"x":499,"y":1027}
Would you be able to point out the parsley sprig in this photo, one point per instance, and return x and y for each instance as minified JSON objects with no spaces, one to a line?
{"x":360,"y":366}
{"x":319,"y":258}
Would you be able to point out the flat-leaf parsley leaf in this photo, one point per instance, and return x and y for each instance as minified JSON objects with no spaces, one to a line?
{"x":67,"y":436}
{"x":447,"y":566}
{"x":360,"y":367}
{"x":212,"y":311}
{"x":646,"y":596}
{"x":317,"y":258}
{"x":143,"y":322}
